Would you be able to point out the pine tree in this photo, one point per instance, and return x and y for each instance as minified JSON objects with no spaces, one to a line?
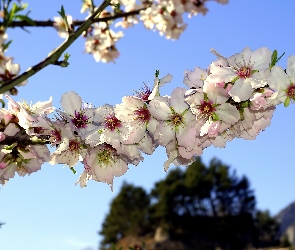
{"x":127,"y":216}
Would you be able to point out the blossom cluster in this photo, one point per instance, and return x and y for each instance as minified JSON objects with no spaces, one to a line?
{"x":164,"y":16}
{"x":234,"y":97}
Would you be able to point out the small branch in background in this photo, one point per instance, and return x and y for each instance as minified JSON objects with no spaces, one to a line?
{"x":53,"y":56}
{"x":49,"y":23}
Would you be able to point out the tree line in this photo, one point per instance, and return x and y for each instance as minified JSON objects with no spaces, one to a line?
{"x":204,"y":207}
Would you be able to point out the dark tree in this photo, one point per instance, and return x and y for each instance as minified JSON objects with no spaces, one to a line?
{"x":268,"y":230}
{"x":208,"y":204}
{"x":200,"y":190}
{"x":128,"y":214}
{"x":200,"y":207}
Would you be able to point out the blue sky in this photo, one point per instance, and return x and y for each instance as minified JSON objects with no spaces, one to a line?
{"x":47,"y":211}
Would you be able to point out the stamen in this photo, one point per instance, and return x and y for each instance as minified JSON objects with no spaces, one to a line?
{"x":176,"y":119}
{"x":80,"y":120}
{"x":291,"y":92}
{"x":112,"y":122}
{"x":144,"y":93}
{"x":143,"y":114}
{"x":74,"y":145}
{"x":244,"y":72}
{"x":206,"y":108}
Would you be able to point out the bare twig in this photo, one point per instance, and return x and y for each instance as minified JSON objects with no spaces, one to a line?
{"x":23,"y":139}
{"x":53,"y":56}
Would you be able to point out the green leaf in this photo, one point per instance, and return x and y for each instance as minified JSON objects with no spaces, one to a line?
{"x":10,"y":147}
{"x":215,"y":117}
{"x":274,"y":57}
{"x":14,"y":8}
{"x":5,"y":17}
{"x":17,"y":8}
{"x":25,"y":18}
{"x":241,"y":111}
{"x":6,"y":45}
{"x":62,"y":12}
{"x":287,"y":102}
{"x":66,"y":56}
{"x":280,"y":56}
{"x":11,"y":15}
{"x":24,"y":6}
{"x":63,"y":15}
{"x":73,"y":170}
{"x":2,"y":102}
{"x":117,"y":7}
{"x":235,"y":79}
{"x":157,"y":73}
{"x":245,"y":104}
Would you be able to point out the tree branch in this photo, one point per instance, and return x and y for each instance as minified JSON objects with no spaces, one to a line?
{"x":23,"y":139}
{"x":49,"y":23}
{"x":56,"y":53}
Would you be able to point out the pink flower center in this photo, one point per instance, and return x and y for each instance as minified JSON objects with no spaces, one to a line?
{"x":143,"y":93}
{"x":7,"y":76}
{"x":106,"y":155}
{"x":244,"y":72}
{"x":176,"y":119}
{"x":291,"y":92}
{"x":206,"y":108}
{"x":55,"y":136}
{"x":38,"y":130}
{"x":80,"y":120}
{"x":86,"y":167}
{"x":173,"y":13}
{"x":143,"y":114}
{"x":96,"y":42}
{"x":112,"y":122}
{"x":74,"y":145}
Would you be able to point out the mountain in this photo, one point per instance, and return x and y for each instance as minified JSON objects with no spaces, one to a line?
{"x":286,"y":218}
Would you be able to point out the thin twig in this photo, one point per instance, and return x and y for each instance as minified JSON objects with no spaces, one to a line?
{"x":56,"y":53}
{"x":49,"y":23}
{"x":92,"y":6}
